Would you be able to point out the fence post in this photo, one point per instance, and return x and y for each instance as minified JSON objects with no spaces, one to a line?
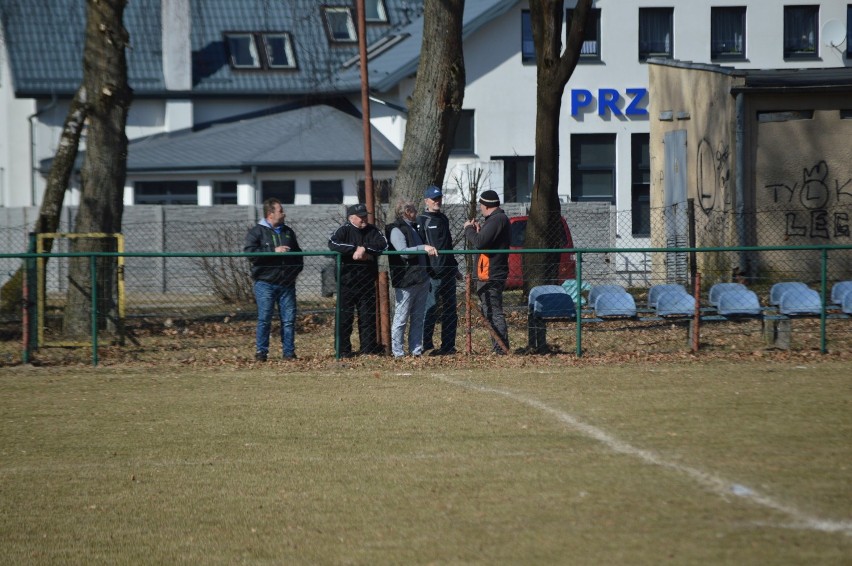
{"x":93,"y":277}
{"x":822,"y":292}
{"x":337,"y":264}
{"x":579,"y":306}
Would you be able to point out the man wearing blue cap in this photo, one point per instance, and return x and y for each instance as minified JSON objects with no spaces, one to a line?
{"x":443,"y":271}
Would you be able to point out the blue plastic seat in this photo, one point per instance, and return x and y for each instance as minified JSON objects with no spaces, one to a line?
{"x":719,"y":288}
{"x":551,"y":301}
{"x":780,"y":289}
{"x":598,"y":290}
{"x":846,"y":305}
{"x":739,"y":302}
{"x":676,"y":303}
{"x":656,"y":290}
{"x":839,"y":291}
{"x":800,"y":302}
{"x":615,"y":304}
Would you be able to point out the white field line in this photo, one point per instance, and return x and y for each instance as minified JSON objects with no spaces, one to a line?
{"x":714,"y":483}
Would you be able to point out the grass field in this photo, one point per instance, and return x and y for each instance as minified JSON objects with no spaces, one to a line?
{"x":358,"y":463}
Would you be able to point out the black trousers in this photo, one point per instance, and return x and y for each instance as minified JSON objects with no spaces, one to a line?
{"x":360,"y":297}
{"x":491,"y":301}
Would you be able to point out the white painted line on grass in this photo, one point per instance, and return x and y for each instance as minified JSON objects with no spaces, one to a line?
{"x":714,"y":483}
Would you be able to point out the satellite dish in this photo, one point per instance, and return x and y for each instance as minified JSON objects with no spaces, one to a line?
{"x":834,"y":33}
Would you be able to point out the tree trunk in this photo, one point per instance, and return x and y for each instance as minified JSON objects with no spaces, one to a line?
{"x":553,"y":71}
{"x":436,"y":102}
{"x":54,"y":193}
{"x":104,"y":167}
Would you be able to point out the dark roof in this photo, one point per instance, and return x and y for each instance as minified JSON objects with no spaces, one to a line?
{"x":809,"y":80}
{"x":45,"y":45}
{"x":314,"y":137}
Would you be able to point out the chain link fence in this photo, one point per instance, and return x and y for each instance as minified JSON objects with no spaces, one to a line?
{"x":184,"y":264}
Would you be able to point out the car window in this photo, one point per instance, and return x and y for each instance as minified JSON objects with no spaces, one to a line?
{"x":519,"y":228}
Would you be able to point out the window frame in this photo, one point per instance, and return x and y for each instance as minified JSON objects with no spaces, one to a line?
{"x":381,"y":10}
{"x":284,"y":192}
{"x":722,"y":11}
{"x":327,"y":12}
{"x":511,"y":167}
{"x":527,"y":55}
{"x":640,"y":191}
{"x":260,"y":48}
{"x":166,"y":194}
{"x":325,"y":184}
{"x":578,"y":168}
{"x":466,"y":124}
{"x":594,"y":18}
{"x":792,"y":15}
{"x":648,"y":53}
{"x":848,"y":32}
{"x":225,"y":191}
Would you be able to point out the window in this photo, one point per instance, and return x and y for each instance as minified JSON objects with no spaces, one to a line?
{"x":165,"y":192}
{"x":279,"y":50}
{"x":527,"y":43}
{"x":727,"y":33}
{"x":640,"y":184}
{"x":849,"y":31}
{"x":517,"y":178}
{"x":268,"y":50}
{"x":327,"y":192}
{"x":656,"y":37}
{"x":225,"y":192}
{"x":374,"y":11}
{"x":243,"y":51}
{"x":380,"y":186}
{"x":593,"y":167}
{"x":463,"y":139}
{"x":801,"y":34}
{"x":340,"y":24}
{"x":591,"y":49}
{"x":285,"y":191}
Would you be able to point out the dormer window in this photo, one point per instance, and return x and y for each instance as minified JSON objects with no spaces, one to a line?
{"x":260,"y":50}
{"x":375,"y":12}
{"x":339,"y":24}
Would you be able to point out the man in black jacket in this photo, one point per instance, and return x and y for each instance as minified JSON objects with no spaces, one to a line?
{"x":359,"y":245}
{"x":443,"y":270}
{"x":492,"y":270}
{"x":274,"y":277}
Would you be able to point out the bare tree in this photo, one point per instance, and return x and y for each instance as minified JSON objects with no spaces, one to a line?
{"x":553,"y":69}
{"x":105,"y":163}
{"x":436,"y":102}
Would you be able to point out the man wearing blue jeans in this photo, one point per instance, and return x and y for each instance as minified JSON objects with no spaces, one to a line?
{"x":274,"y":278}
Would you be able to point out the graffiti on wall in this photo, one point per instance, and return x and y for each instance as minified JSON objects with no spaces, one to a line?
{"x":713,"y":172}
{"x":816,"y":193}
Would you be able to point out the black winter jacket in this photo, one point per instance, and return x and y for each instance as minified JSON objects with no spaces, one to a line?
{"x":345,"y":240}
{"x":434,"y":230}
{"x":406,"y":270}
{"x":282,"y":269}
{"x":495,"y":233}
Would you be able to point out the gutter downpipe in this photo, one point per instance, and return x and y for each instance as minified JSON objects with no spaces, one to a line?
{"x":33,"y":168}
{"x":740,"y":182}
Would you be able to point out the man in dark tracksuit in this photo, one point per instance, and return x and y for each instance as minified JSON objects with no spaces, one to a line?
{"x":491,"y":269}
{"x":359,"y":245}
{"x":443,"y":271}
{"x":274,"y":277}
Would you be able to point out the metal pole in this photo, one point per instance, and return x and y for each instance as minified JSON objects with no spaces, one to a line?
{"x":93,"y":273}
{"x":823,"y":289}
{"x":696,"y":323}
{"x":579,"y":306}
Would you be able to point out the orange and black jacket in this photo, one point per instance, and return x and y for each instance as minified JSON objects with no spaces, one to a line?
{"x":494,"y":234}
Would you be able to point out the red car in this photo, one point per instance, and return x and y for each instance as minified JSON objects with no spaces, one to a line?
{"x":567,"y":262}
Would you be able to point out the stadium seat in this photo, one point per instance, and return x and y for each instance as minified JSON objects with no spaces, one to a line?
{"x":800,"y":302}
{"x":839,"y":291}
{"x":719,"y":288}
{"x":675,"y":303}
{"x":739,"y":302}
{"x":615,"y":304}
{"x":551,"y":301}
{"x":598,"y":290}
{"x":656,"y":290}
{"x":780,"y":289}
{"x":846,"y":305}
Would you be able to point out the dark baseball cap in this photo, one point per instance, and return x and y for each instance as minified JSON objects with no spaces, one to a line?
{"x":433,"y":192}
{"x":359,"y":209}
